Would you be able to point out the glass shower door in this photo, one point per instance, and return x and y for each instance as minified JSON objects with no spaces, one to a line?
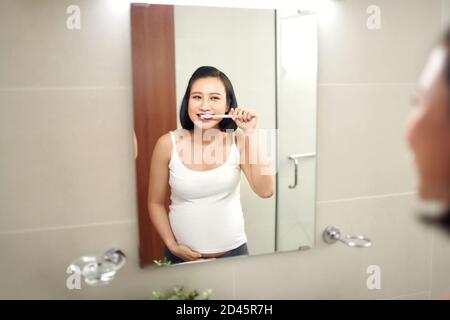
{"x":296,"y":123}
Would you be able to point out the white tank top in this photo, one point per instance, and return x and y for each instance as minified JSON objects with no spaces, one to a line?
{"x":205,"y":211}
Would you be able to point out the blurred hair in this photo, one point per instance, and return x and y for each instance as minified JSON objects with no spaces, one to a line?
{"x":446,"y":43}
{"x":443,"y":220}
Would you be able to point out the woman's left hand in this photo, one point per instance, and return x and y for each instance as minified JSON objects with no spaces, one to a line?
{"x":244,"y":118}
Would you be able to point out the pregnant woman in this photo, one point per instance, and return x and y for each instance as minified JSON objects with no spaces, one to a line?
{"x":202,"y":163}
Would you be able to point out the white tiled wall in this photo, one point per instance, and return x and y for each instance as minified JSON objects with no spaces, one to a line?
{"x":65,"y":108}
{"x":445,"y":12}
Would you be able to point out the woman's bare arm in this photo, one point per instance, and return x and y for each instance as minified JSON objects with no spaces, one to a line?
{"x":158,"y":184}
{"x":255,"y":164}
{"x":135,"y":145}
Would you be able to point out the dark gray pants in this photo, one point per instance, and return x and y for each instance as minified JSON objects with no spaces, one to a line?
{"x":239,"y":251}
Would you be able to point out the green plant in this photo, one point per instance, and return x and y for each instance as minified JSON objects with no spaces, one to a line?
{"x":162,"y":263}
{"x":179,"y":294}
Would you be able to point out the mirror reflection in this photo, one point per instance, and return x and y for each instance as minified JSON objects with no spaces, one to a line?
{"x":230,"y":131}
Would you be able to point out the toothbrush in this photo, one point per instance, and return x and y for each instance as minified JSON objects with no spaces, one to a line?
{"x":215,"y":116}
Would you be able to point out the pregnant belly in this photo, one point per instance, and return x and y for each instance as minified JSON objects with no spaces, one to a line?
{"x":211,"y":232}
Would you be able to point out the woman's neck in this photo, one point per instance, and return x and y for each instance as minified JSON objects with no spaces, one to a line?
{"x":205,"y":137}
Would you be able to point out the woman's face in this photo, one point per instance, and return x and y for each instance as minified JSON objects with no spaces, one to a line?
{"x":208,"y":96}
{"x":428,"y":131}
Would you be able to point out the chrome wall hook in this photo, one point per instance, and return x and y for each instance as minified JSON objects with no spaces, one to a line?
{"x":99,"y":270}
{"x":332,"y":234}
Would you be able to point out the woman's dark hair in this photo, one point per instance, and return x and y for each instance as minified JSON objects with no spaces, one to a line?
{"x":208,"y":72}
{"x":446,"y":43}
{"x":445,"y":219}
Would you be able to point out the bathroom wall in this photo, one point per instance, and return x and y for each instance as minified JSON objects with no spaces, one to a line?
{"x":67,"y":183}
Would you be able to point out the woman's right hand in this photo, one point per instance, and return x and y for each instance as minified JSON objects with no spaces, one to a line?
{"x":185,"y":253}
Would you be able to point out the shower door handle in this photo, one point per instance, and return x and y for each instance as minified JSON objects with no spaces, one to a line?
{"x":295,"y":158}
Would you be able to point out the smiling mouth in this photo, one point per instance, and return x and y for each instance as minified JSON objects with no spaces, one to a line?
{"x":205,"y":116}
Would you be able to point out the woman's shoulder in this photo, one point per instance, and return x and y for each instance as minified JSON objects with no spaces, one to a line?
{"x":163,"y":145}
{"x":164,"y":140}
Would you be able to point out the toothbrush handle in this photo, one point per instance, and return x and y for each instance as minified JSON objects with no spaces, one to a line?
{"x":223,"y":116}
{"x":228,"y":116}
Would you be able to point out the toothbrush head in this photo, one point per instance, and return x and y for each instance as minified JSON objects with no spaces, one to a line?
{"x":206,"y":116}
{"x":215,"y":116}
